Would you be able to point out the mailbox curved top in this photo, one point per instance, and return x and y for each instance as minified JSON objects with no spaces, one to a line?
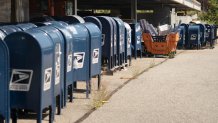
{"x":26,"y":26}
{"x":78,"y":31}
{"x":64,"y":31}
{"x":94,"y":20}
{"x":49,"y":30}
{"x":9,"y":29}
{"x":93,"y":29}
{"x":73,"y":19}
{"x":2,"y":35}
{"x":61,"y":23}
{"x":127,"y":26}
{"x":38,"y":38}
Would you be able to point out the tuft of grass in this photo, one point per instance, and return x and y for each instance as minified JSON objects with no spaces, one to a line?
{"x":99,"y":97}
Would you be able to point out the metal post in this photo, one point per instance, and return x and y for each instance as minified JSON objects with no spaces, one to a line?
{"x":134,"y":10}
{"x":75,"y":7}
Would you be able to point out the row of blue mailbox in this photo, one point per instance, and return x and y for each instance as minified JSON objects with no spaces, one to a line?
{"x":197,"y":35}
{"x":40,"y":62}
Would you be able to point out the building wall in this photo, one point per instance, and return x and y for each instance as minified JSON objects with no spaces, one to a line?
{"x":5,"y":10}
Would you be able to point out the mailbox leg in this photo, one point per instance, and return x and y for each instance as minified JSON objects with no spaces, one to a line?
{"x":141,"y":53}
{"x":59,"y":104}
{"x":99,"y":81}
{"x":39,"y":117}
{"x":130,"y":60}
{"x":71,"y":93}
{"x":50,"y":114}
{"x":14,"y":116}
{"x":2,"y":120}
{"x":87,"y":89}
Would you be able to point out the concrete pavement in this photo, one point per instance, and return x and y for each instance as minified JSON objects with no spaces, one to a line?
{"x":181,"y":90}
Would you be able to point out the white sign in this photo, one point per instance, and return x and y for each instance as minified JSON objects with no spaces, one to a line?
{"x":138,"y":39}
{"x":69,"y":62}
{"x":21,"y":80}
{"x":79,"y":58}
{"x":47,"y":79}
{"x":193,"y":36}
{"x":95,"y":56}
{"x":57,"y":63}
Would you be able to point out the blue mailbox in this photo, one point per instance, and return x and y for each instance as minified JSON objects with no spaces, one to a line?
{"x":136,"y":39}
{"x":4,"y":84}
{"x":81,"y":55}
{"x":194,"y":36}
{"x":31,"y":84}
{"x":94,"y":20}
{"x":182,"y":32}
{"x":128,"y":40}
{"x":26,"y":26}
{"x":68,"y":56}
{"x":58,"y":66}
{"x":120,"y":41}
{"x":95,"y":50}
{"x":185,"y":34}
{"x":115,"y":33}
{"x":210,"y":34}
{"x":202,"y":34}
{"x":107,"y":48}
{"x":73,"y":19}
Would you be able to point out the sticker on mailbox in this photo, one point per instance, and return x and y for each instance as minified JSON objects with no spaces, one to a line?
{"x":95,"y":56}
{"x":193,"y":36}
{"x":69,"y":62}
{"x":138,"y":39}
{"x":79,"y":58}
{"x":57,"y":63}
{"x":47,"y":79}
{"x":21,"y":80}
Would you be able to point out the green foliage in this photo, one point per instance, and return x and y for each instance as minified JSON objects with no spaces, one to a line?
{"x":211,"y":16}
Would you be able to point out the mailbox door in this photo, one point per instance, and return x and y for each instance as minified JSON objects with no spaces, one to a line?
{"x":4,"y":83}
{"x":58,"y":68}
{"x":68,"y":50}
{"x":31,"y":55}
{"x":95,"y":48}
{"x":81,"y":52}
